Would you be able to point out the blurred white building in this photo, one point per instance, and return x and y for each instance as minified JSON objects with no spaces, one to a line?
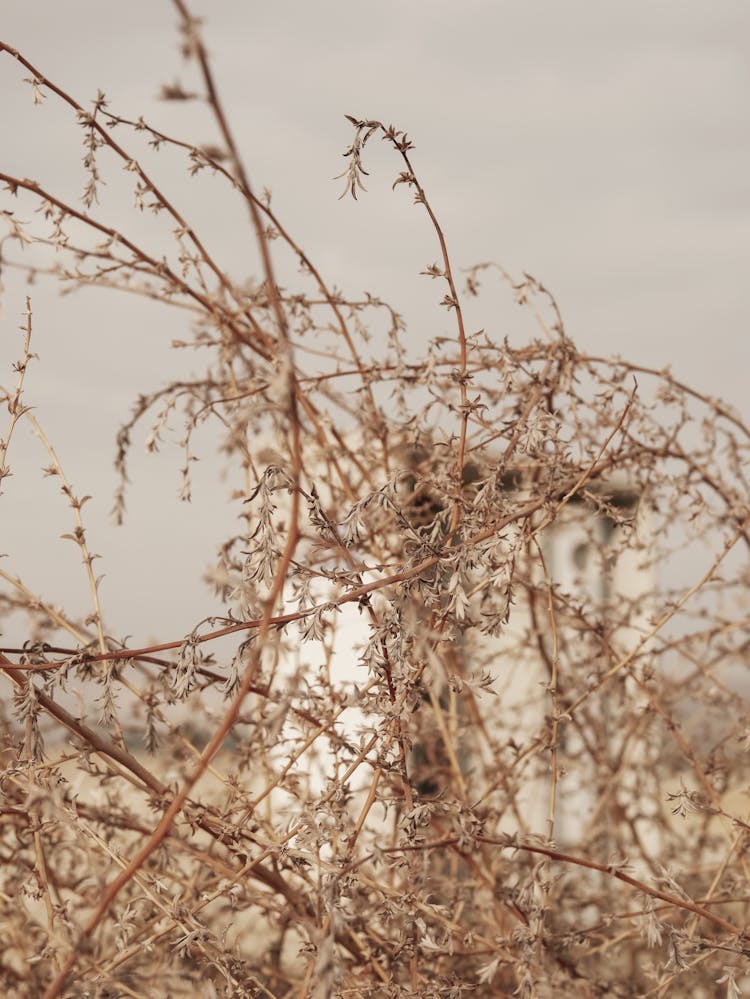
{"x":596,"y":555}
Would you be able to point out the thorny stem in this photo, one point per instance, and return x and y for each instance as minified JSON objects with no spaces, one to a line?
{"x":162,"y":829}
{"x":463,"y":376}
{"x":13,"y":401}
{"x":554,"y":660}
{"x":401,"y":143}
{"x":79,"y":535}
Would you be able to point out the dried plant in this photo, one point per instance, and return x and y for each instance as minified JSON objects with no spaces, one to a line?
{"x":465,"y":725}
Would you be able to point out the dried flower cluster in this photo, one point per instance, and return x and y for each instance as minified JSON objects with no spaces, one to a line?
{"x":439,"y":757}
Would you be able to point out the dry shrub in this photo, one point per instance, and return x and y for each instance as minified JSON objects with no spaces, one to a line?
{"x":470,"y":720}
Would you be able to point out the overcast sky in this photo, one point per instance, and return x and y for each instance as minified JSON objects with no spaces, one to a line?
{"x":603,"y":147}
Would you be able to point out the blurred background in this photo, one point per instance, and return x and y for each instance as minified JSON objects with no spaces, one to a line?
{"x":603,"y":148}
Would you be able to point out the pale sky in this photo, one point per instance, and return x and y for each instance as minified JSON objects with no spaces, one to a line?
{"x":603,"y":147}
